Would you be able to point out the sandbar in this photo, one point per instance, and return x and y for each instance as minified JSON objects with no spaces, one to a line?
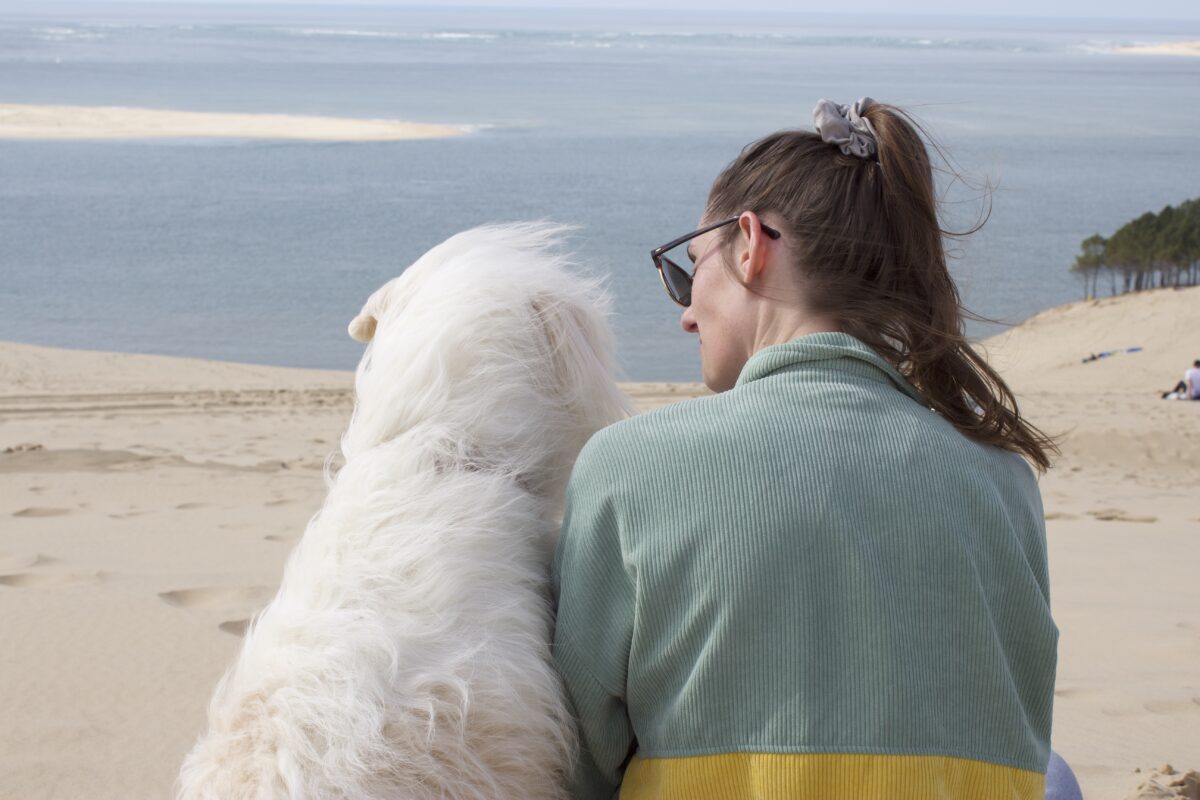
{"x":116,"y":122}
{"x":1189,"y":48}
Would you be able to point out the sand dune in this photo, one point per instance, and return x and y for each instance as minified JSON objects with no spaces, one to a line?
{"x":113,"y":122}
{"x":1123,"y":519}
{"x":147,"y":505}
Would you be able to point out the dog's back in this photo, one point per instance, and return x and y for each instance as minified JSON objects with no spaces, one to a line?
{"x":406,"y":654}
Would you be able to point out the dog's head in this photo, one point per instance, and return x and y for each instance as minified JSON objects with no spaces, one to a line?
{"x":495,"y":336}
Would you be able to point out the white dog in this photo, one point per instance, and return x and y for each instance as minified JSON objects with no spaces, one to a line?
{"x":406,"y":654}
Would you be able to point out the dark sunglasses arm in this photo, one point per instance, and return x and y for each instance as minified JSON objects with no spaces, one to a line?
{"x":658,"y":251}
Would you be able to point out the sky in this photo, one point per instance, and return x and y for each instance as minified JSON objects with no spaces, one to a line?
{"x":1113,"y":9}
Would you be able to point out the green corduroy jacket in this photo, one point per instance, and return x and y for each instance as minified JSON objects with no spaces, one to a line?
{"x":811,"y":565}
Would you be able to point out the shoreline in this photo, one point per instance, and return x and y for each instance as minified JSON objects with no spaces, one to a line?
{"x":74,"y":123}
{"x":981,"y":343}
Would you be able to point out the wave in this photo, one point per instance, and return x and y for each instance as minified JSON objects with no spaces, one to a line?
{"x":642,"y":39}
{"x":386,"y":34}
{"x":639,"y":39}
{"x":454,"y":35}
{"x":63,"y":34}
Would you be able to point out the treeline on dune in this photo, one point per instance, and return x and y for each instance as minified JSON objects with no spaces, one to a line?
{"x":1150,"y":252}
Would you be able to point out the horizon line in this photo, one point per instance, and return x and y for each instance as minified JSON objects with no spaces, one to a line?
{"x":213,"y":5}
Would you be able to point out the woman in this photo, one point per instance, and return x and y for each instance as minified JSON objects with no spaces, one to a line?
{"x":828,"y":579}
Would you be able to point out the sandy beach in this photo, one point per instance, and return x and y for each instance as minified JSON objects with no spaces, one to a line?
{"x":1189,"y":48}
{"x":147,"y":505}
{"x":113,"y":122}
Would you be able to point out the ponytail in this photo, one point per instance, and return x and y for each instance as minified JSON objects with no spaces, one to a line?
{"x":869,"y":246}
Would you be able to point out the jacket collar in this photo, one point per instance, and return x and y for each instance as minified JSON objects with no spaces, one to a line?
{"x":835,"y":350}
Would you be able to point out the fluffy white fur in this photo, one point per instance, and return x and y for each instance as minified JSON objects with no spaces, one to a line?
{"x":406,"y":653}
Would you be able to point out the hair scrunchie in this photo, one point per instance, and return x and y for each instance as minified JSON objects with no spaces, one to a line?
{"x":846,"y":126}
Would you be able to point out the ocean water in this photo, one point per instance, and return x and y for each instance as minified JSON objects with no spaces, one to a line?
{"x":615,"y":122}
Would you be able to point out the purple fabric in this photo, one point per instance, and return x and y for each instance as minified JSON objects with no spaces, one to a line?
{"x":1060,"y":780}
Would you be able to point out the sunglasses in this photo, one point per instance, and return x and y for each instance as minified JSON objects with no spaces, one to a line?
{"x":675,"y":279}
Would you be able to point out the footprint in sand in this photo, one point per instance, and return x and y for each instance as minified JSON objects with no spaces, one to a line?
{"x":190,"y":506}
{"x":26,"y":447}
{"x":46,"y":580}
{"x":235,"y":626}
{"x":1061,"y":515}
{"x":234,"y":598}
{"x":38,"y":511}
{"x":282,"y":538}
{"x":8,"y":561}
{"x":283,"y":501}
{"x":1119,"y":712}
{"x":90,"y":458}
{"x":238,"y":526}
{"x":1117,"y":515}
{"x":1191,"y":704}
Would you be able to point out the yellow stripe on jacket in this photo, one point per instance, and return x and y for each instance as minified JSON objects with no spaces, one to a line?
{"x":826,"y":776}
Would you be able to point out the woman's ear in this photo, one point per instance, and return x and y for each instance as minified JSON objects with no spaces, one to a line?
{"x":752,"y":249}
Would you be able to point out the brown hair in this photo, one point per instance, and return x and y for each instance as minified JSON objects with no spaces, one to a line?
{"x":869,"y":246}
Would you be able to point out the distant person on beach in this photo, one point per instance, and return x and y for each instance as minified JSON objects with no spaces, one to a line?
{"x":1189,"y":387}
{"x":829,"y":578}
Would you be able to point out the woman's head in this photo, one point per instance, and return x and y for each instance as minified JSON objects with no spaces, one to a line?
{"x":733,"y":320}
{"x":861,"y":252}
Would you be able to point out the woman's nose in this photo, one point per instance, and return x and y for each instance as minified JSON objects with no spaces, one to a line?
{"x":688,"y":321}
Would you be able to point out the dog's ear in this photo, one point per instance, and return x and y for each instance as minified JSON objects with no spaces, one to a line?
{"x":571,"y":333}
{"x":362,"y":327}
